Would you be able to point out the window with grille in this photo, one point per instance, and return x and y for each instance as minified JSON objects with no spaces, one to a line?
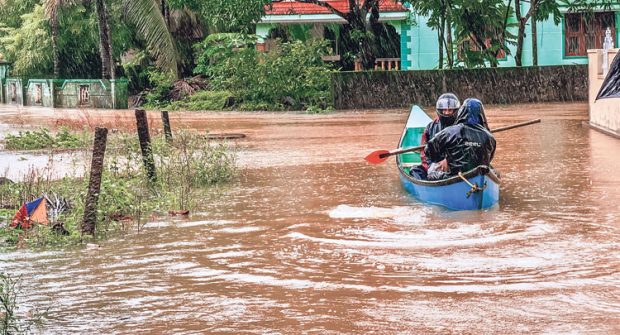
{"x":586,"y":31}
{"x":471,"y":46}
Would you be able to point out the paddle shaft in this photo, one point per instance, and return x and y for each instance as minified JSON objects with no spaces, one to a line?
{"x":496,"y":130}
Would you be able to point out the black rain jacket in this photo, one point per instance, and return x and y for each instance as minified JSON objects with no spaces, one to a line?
{"x":466,"y":144}
{"x":432,"y":129}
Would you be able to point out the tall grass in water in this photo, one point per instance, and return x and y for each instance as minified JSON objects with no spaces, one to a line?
{"x":187,"y":170}
{"x":11,"y":320}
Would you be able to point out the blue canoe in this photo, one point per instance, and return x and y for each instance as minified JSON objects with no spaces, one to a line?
{"x":481,"y":190}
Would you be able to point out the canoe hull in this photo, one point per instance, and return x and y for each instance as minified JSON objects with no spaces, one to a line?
{"x":455,"y":195}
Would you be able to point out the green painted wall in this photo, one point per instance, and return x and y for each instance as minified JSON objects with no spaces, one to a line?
{"x":14,"y":92}
{"x":424,"y":45}
{"x":4,"y":70}
{"x":405,"y":41}
{"x":39,"y":92}
{"x":90,"y":93}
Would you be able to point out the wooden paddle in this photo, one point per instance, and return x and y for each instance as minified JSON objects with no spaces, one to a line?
{"x":379,"y":156}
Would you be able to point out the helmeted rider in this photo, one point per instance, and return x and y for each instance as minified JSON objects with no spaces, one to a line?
{"x":446,"y":107}
{"x":465,"y":145}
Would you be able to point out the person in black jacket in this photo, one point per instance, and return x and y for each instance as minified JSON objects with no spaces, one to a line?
{"x":463,"y":146}
{"x":446,"y":108}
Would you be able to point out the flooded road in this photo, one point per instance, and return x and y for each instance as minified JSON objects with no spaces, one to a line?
{"x":311,"y":239}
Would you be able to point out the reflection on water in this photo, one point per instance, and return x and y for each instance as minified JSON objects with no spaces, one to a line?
{"x":313,"y":240}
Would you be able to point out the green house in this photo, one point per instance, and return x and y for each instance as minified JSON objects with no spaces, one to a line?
{"x":565,"y":43}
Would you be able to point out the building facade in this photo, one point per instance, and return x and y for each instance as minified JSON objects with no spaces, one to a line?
{"x":565,"y":43}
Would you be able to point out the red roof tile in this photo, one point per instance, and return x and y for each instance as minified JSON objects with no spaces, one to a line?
{"x":300,"y":8}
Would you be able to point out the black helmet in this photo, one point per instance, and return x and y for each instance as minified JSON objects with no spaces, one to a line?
{"x":447,"y":101}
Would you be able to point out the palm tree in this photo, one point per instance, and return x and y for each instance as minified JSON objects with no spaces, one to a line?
{"x":51,"y":11}
{"x":105,"y":41}
{"x":146,"y":16}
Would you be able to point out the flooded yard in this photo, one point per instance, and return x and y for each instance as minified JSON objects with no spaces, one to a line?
{"x":312,"y":239}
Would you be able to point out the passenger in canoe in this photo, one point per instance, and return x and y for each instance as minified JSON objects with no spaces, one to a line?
{"x":463,"y":146}
{"x":446,"y":108}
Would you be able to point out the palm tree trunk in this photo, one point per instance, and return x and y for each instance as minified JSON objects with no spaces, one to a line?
{"x":55,"y":55}
{"x":440,"y":37}
{"x":450,"y":46}
{"x":534,"y":43}
{"x":105,"y":41}
{"x":520,"y":34}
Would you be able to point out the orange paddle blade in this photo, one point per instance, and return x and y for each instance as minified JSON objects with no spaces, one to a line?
{"x":377,"y":157}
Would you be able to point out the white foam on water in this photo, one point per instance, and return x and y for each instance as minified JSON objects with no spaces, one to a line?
{"x":289,"y":283}
{"x":471,"y":263}
{"x":177,"y":244}
{"x":157,"y":224}
{"x":202,"y":273}
{"x":351,"y":212}
{"x":463,"y":236}
{"x":204,"y":223}
{"x":303,"y":284}
{"x":177,"y":266}
{"x":145,"y":261}
{"x":231,"y":254}
{"x":240,"y":230}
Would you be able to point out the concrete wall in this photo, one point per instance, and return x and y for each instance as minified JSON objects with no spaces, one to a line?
{"x":39,"y":92}
{"x":604,"y":113}
{"x":88,"y":93}
{"x":390,"y":89}
{"x":14,"y":91}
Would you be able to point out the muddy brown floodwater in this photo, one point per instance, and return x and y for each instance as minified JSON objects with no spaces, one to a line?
{"x":311,"y":239}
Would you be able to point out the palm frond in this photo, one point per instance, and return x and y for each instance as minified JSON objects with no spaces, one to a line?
{"x":146,"y":16}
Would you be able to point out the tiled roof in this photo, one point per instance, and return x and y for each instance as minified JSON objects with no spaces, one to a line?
{"x":300,"y":8}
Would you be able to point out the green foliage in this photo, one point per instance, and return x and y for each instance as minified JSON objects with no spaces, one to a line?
{"x":479,"y":21}
{"x":203,"y":100}
{"x":226,"y":15}
{"x":151,"y":26}
{"x":137,"y":72}
{"x":11,"y":11}
{"x":42,"y":139}
{"x":162,"y":84}
{"x":29,"y":45}
{"x":292,"y":76}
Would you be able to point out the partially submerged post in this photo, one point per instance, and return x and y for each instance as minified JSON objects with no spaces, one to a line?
{"x":167,"y":130}
{"x":145,"y":144}
{"x":94,"y":184}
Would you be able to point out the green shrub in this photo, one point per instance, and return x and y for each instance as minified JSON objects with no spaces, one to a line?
{"x":160,"y":93}
{"x":203,"y":100}
{"x":292,"y":76}
{"x":42,"y":139}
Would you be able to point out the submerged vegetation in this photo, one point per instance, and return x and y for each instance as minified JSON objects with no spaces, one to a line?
{"x":43,"y":139}
{"x":188,"y":168}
